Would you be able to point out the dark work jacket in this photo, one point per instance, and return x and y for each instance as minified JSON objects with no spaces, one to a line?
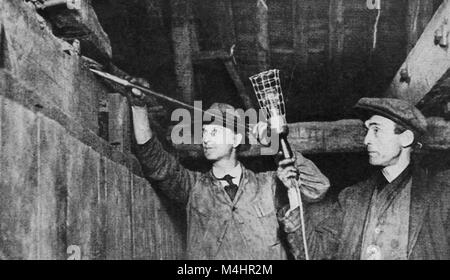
{"x":218,"y":228}
{"x":340,"y":235}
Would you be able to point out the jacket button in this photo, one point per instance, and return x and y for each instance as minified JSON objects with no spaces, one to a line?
{"x":377,"y":230}
{"x":233,"y":209}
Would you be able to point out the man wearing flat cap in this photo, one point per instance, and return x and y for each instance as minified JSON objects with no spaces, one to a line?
{"x":231,"y":211}
{"x":401,"y":212}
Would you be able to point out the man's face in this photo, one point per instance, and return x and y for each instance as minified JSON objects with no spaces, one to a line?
{"x":218,"y":142}
{"x":383,"y":145}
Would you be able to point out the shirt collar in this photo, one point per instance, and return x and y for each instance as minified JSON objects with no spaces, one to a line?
{"x":392,"y":172}
{"x":236,"y":173}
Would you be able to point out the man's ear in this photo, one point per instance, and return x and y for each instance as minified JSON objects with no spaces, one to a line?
{"x":407,"y":138}
{"x":237,"y":140}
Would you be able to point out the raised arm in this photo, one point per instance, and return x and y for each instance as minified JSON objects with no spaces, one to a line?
{"x":302,"y":172}
{"x":158,"y":166}
{"x":313,"y":184}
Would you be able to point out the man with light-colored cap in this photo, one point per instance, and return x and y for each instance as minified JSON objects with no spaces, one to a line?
{"x":401,"y":212}
{"x":231,"y":211}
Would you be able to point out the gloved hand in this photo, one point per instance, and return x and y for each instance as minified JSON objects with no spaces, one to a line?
{"x":287,"y":171}
{"x":136,"y":97}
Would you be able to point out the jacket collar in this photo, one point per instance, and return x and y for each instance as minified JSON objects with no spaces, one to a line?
{"x":421,"y":196}
{"x":353,"y":231}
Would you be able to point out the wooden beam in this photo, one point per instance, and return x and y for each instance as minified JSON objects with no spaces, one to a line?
{"x":336,"y":43}
{"x":181,"y":38}
{"x":425,"y":64}
{"x":435,"y":102}
{"x":240,"y":87}
{"x":231,"y":69}
{"x":344,"y":136}
{"x":300,"y":44}
{"x":226,"y":25}
{"x":210,"y":55}
{"x":195,"y":45}
{"x":419,"y":14}
{"x":411,"y":24}
{"x":262,"y":21}
{"x":3,"y":47}
{"x":283,"y":51}
{"x":438,"y":134}
{"x":81,"y":24}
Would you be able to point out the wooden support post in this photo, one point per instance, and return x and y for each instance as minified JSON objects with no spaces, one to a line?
{"x":419,"y":14}
{"x":194,"y":32}
{"x":3,"y":47}
{"x":411,"y":24}
{"x":300,"y":19}
{"x":181,"y":38}
{"x":262,"y":21}
{"x":426,"y":63}
{"x":336,"y":44}
{"x":119,"y":122}
{"x":238,"y":84}
{"x":227,"y":28}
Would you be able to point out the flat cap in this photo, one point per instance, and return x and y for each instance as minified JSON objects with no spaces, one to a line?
{"x":226,"y":115}
{"x":397,"y":110}
{"x":222,"y":114}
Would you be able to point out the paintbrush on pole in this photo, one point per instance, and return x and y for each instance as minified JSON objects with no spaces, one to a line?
{"x":149,"y":92}
{"x":145,"y":90}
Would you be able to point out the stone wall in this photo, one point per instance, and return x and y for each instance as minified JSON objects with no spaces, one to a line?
{"x":62,"y":187}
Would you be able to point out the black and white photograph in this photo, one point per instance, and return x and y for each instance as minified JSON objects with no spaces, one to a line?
{"x":244,"y":132}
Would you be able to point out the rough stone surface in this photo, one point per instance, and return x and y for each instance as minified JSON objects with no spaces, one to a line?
{"x":19,"y":212}
{"x":61,"y":185}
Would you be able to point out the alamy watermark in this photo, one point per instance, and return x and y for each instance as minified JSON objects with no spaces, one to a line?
{"x":190,"y":127}
{"x":73,"y":253}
